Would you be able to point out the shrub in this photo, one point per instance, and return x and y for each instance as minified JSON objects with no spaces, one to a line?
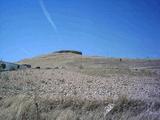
{"x":37,"y":67}
{"x":69,"y":51}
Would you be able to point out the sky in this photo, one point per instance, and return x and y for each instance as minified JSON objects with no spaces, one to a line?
{"x":110,"y":28}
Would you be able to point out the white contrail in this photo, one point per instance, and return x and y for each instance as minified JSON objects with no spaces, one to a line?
{"x":47,"y":15}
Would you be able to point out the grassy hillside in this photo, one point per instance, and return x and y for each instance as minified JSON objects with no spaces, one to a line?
{"x":66,"y":86}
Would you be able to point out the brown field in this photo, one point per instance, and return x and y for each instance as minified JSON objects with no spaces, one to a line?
{"x":67,"y":86}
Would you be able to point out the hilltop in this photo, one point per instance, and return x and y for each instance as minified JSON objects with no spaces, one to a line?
{"x":68,"y":86}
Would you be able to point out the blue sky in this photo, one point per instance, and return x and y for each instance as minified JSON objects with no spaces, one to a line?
{"x":114,"y":28}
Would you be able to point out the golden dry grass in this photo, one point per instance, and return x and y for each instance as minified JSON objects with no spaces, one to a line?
{"x":27,"y":107}
{"x":73,"y":87}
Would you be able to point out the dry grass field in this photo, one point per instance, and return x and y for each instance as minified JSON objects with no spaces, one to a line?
{"x":67,"y":86}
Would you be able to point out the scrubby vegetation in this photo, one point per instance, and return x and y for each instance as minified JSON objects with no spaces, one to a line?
{"x":74,"y":87}
{"x":31,"y":107}
{"x":69,"y":51}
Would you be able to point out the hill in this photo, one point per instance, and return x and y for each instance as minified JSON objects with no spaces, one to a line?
{"x":68,"y":86}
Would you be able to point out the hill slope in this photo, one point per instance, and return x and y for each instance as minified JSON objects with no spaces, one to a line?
{"x":70,"y":86}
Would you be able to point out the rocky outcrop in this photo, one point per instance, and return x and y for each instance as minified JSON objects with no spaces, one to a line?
{"x":7,"y":66}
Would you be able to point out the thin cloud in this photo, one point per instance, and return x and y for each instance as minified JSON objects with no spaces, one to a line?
{"x":47,"y":15}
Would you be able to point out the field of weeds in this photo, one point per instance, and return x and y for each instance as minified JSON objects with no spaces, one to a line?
{"x":81,"y":88}
{"x":26,"y":107}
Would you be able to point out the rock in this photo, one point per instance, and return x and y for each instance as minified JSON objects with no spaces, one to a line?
{"x":27,"y":65}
